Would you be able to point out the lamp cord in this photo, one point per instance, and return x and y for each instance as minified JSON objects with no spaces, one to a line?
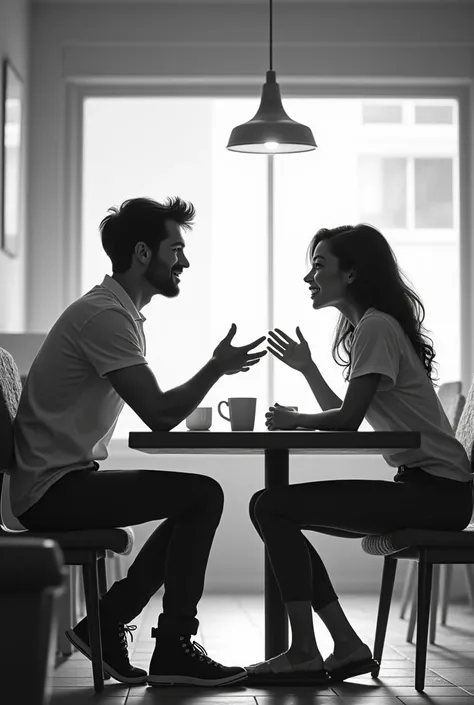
{"x":271,"y":35}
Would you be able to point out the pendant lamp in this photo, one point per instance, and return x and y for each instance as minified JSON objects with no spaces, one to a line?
{"x":271,"y":130}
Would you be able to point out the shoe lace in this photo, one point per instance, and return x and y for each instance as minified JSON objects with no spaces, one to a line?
{"x":197,"y":650}
{"x":123,"y":630}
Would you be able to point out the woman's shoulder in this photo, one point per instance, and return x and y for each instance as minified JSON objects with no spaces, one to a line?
{"x":376,"y":320}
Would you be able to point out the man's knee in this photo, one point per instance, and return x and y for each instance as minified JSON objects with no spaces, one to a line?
{"x":209,"y":489}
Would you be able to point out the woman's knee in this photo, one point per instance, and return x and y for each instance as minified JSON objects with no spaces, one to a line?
{"x":267,"y":502}
{"x":253,"y":501}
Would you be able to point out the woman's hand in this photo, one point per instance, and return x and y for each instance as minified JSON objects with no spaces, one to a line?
{"x":279,"y":417}
{"x":293,"y":354}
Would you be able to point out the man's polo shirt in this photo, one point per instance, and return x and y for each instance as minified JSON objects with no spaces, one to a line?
{"x":68,"y":408}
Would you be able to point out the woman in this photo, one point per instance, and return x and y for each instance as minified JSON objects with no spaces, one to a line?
{"x":388,"y":360}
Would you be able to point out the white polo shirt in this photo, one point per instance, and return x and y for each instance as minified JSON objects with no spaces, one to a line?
{"x":405,"y":399}
{"x":68,"y":408}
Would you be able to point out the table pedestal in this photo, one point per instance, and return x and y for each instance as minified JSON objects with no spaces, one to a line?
{"x":276,"y":618}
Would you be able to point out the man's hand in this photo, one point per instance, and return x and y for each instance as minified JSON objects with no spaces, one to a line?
{"x":279,"y":417}
{"x":236,"y":359}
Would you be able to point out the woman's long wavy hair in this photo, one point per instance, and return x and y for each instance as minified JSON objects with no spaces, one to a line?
{"x":380,"y":283}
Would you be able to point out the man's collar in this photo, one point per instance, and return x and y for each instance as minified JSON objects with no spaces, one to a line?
{"x":112,"y":285}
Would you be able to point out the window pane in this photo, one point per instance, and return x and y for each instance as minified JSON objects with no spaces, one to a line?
{"x":382,"y":188}
{"x":434,"y":114}
{"x":313,"y":191}
{"x":381,"y":114}
{"x":142,"y":147}
{"x":434,"y":193}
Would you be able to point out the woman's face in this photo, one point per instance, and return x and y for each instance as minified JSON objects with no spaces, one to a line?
{"x":327,"y":283}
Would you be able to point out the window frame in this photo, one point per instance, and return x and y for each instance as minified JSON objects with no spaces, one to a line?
{"x":77,"y":91}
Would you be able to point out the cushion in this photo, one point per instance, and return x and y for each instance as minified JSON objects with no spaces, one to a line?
{"x":385,"y":544}
{"x":117,"y":540}
{"x":10,"y":392}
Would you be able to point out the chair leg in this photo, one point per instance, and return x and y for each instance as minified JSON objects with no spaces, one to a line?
{"x":425,"y":572}
{"x":412,"y":620}
{"x":80,"y":596}
{"x":447,"y":572}
{"x":64,"y":614}
{"x":468,"y":572}
{"x":388,"y":580}
{"x":434,"y":603}
{"x":408,"y":588}
{"x":102,"y":573}
{"x":91,"y":589}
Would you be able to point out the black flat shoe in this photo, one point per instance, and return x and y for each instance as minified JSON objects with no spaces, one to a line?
{"x":356,"y":668}
{"x":315,"y":678}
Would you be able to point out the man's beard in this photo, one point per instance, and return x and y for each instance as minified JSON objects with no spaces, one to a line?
{"x":161,"y":278}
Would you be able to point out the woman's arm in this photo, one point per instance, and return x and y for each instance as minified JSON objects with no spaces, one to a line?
{"x":321,"y":390}
{"x":351,"y":412}
{"x":298,"y":356}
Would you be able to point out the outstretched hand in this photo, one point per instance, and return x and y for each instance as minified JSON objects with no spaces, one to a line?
{"x":284,"y":348}
{"x":237,"y":359}
{"x":282,"y":418}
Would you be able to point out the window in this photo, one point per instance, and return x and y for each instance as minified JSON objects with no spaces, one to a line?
{"x":379,"y":113}
{"x":434,"y":114}
{"x":383,"y":191}
{"x":434,"y":193}
{"x":401,"y":178}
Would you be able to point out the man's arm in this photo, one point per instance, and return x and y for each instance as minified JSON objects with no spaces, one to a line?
{"x":162,"y":411}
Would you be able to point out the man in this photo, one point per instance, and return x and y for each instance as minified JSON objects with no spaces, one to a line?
{"x":92,"y":361}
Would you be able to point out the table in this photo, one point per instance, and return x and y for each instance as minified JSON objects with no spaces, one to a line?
{"x":276,"y":447}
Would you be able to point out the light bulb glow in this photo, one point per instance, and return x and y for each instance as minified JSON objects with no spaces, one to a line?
{"x":271,"y":145}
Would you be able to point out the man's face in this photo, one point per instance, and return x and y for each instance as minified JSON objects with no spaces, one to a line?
{"x":167,"y":264}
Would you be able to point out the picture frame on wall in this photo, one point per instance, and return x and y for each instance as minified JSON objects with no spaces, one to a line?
{"x":12,"y":159}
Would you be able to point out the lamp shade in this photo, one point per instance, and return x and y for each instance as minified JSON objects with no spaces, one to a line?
{"x":271,"y":130}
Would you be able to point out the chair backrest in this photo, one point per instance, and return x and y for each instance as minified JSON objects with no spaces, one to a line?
{"x":10,"y":391}
{"x":455,"y":411}
{"x":465,"y":426}
{"x":448,"y":391}
{"x":452,"y":401}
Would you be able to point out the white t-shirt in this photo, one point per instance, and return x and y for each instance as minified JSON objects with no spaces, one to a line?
{"x":68,"y":408}
{"x":405,"y":399}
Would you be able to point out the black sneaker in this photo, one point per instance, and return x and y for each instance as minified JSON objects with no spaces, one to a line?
{"x":114,"y":649}
{"x":179,"y":661}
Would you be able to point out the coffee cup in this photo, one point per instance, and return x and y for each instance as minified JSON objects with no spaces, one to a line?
{"x":241,"y":412}
{"x":200,"y":419}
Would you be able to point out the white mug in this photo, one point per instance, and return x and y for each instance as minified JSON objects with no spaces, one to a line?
{"x":242,"y":412}
{"x":200,"y":419}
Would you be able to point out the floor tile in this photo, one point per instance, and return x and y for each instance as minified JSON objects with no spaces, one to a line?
{"x":299,"y":699}
{"x":84,"y":696}
{"x":435,"y":700}
{"x":188,"y":696}
{"x":370,"y":691}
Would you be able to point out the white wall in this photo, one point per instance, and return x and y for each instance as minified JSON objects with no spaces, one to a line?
{"x":14,"y":45}
{"x":97,"y":44}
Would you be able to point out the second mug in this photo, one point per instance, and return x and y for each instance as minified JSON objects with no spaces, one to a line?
{"x":242,"y":412}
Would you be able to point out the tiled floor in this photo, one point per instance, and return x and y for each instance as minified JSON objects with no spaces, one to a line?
{"x":232,"y":632}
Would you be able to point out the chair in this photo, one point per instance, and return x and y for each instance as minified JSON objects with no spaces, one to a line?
{"x":85,"y":548}
{"x":427,"y":548}
{"x":453,"y":403}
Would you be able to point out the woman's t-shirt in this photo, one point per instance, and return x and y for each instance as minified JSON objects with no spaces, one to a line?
{"x":405,"y":399}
